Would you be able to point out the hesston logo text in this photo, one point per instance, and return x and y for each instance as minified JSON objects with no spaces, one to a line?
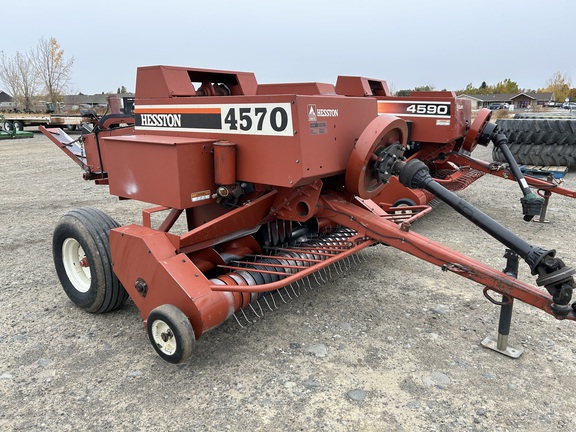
{"x":314,"y":112}
{"x":322,"y":112}
{"x":161,"y":120}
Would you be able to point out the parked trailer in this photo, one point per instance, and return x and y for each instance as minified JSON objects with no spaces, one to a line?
{"x":17,"y":121}
{"x":11,"y":134}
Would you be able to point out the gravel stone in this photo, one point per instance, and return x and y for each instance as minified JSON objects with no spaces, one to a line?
{"x":357,"y":395}
{"x":310,"y":383}
{"x":436,"y":379}
{"x":318,"y":350}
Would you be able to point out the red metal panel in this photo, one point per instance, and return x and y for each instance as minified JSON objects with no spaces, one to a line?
{"x":360,"y":86}
{"x":174,"y":81}
{"x":171,"y":278}
{"x":172,"y":171}
{"x":295,"y":141}
{"x":313,"y":88}
{"x":328,"y":136}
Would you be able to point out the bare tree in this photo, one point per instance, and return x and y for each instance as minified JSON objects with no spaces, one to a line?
{"x":53,"y":68}
{"x":9,"y":75}
{"x":29,"y":83}
{"x":19,"y":76}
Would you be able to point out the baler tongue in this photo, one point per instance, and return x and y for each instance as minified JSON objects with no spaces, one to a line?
{"x":553,"y":273}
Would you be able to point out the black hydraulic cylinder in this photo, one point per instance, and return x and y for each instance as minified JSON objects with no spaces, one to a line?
{"x":415,"y":175}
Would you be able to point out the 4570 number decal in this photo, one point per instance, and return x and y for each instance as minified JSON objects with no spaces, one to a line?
{"x":250,"y":119}
{"x":253,"y":119}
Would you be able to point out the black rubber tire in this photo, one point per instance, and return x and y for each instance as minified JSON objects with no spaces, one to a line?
{"x":18,"y":125}
{"x":88,"y":229}
{"x":534,"y":141}
{"x":404,"y":202}
{"x":171,"y":333}
{"x":545,"y":115}
{"x":534,"y":154}
{"x":8,"y":126}
{"x":539,"y":131}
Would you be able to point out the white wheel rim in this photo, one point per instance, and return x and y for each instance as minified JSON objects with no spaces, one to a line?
{"x":163,"y":337}
{"x":403,"y":211}
{"x":76,"y":265}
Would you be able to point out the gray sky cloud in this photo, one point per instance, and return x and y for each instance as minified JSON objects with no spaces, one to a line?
{"x":444,"y":43}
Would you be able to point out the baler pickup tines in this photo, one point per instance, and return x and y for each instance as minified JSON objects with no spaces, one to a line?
{"x":290,"y":264}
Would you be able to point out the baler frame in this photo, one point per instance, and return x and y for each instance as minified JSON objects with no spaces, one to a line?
{"x":257,"y":227}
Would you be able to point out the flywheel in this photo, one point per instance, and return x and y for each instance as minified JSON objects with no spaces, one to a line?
{"x":475,"y":131}
{"x":379,"y":146}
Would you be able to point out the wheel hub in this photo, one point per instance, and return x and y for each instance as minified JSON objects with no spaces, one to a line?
{"x":167,"y":335}
{"x":163,"y":337}
{"x":384,"y":161}
{"x":76,"y":264}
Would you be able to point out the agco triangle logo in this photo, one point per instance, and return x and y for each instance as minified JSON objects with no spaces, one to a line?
{"x":312,"y":113}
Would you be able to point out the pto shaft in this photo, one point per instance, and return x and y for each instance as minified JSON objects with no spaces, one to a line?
{"x":415,"y":175}
{"x":552,"y":272}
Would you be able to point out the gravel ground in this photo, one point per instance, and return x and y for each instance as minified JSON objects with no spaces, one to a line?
{"x":394,"y":344}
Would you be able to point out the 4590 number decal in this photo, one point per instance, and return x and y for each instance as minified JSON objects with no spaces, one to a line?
{"x":414,"y":108}
{"x":429,"y":109}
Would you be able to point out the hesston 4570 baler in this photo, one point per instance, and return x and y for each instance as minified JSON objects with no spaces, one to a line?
{"x":279,"y":185}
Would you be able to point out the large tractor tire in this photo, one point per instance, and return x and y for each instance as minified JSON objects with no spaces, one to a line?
{"x":539,"y":141}
{"x":81,"y":251}
{"x":545,"y":115}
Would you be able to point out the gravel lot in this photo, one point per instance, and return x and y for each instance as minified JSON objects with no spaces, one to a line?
{"x":394,"y":344}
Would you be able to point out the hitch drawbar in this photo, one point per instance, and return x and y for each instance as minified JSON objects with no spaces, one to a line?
{"x":552,"y":273}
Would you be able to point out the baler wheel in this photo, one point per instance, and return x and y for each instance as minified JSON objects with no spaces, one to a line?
{"x":81,"y":252}
{"x":380,"y":133}
{"x":475,"y":131}
{"x":171,"y":333}
{"x":403,"y":202}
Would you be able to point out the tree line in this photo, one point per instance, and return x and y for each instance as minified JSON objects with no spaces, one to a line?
{"x":45,"y":71}
{"x":559,"y":84}
{"x":42,"y":71}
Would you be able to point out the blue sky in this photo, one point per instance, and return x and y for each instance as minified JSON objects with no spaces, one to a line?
{"x":443,"y":43}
